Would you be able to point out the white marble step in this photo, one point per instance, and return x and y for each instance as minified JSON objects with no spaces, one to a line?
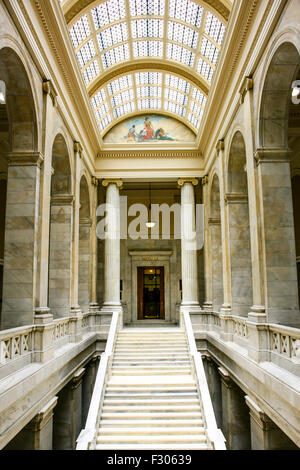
{"x":130,"y":371}
{"x":200,"y":446}
{"x":162,"y":423}
{"x":151,"y":407}
{"x":132,"y":431}
{"x":150,"y":400}
{"x":159,"y":439}
{"x":128,"y":415}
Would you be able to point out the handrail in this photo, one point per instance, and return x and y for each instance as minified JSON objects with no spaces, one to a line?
{"x":214,"y":434}
{"x":87,"y":437}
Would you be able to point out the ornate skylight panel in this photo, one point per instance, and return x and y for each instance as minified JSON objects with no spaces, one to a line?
{"x":178,"y":83}
{"x":113,"y":35}
{"x":209,"y":51}
{"x":205,"y":70}
{"x":175,"y":108}
{"x":148,"y":49}
{"x":174,"y":95}
{"x":80,"y":31}
{"x":196,"y":109}
{"x":108,"y":12}
{"x":199,"y":96}
{"x":194,"y":121}
{"x":147,"y":7}
{"x":101,"y":111}
{"x":91,"y":72}
{"x":115,"y":55}
{"x":120,"y":84}
{"x":124,"y":109}
{"x":186,"y":11}
{"x":214,"y":28}
{"x":151,"y":78}
{"x":151,"y":103}
{"x":183,"y":34}
{"x":98,"y":98}
{"x":104,"y":123}
{"x":122,"y":97}
{"x":147,"y":28}
{"x":180,"y":54}
{"x":86,"y":53}
{"x":149,"y":91}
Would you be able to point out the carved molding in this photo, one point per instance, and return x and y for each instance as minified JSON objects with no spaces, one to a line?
{"x":116,"y":181}
{"x":272,"y":155}
{"x":150,"y":154}
{"x":236,"y":198}
{"x":182,"y":181}
{"x":25,"y":159}
{"x":220,"y":145}
{"x":246,"y":86}
{"x":78,"y":148}
{"x":49,"y":89}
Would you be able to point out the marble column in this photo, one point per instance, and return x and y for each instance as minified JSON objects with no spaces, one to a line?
{"x":235,"y":415}
{"x":84,"y":264}
{"x":112,"y":247}
{"x":21,"y":241}
{"x":188,"y":245}
{"x":257,"y":313}
{"x":67,"y":422}
{"x":265,"y":435}
{"x":279,"y":254}
{"x":207,"y":248}
{"x":94,"y":307}
{"x":38,"y":433}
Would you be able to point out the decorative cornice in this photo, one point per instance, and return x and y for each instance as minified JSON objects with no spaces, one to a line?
{"x":25,"y":159}
{"x":49,"y":89}
{"x":182,"y":181}
{"x":150,"y":154}
{"x":246,"y":86}
{"x":204,"y":180}
{"x":116,"y":181}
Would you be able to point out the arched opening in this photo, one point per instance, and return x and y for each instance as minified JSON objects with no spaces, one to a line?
{"x":278,"y":163}
{"x":239,"y":228}
{"x":19,"y":193}
{"x":216,"y":245}
{"x":60,"y":230}
{"x":84,"y":281}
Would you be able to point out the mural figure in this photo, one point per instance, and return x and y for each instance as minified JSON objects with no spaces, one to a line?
{"x":148,"y":132}
{"x":161,"y":134}
{"x":132,"y":135}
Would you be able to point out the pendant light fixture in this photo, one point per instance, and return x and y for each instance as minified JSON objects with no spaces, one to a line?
{"x":150,"y":223}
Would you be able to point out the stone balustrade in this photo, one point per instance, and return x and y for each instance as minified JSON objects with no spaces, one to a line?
{"x":15,"y":342}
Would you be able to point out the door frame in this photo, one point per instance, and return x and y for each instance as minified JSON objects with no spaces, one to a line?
{"x":140,"y":291}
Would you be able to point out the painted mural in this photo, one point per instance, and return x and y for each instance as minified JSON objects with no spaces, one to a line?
{"x":149,"y":129}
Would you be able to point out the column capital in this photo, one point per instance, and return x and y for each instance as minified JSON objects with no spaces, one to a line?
{"x":182,"y":181}
{"x":78,"y":148}
{"x":25,"y":159}
{"x":48,"y":88}
{"x":77,"y":378}
{"x":109,"y":181}
{"x":220,"y":145}
{"x":62,"y":200}
{"x":236,"y":198}
{"x":227,"y":381}
{"x":272,"y":155}
{"x":41,"y":418}
{"x":246,"y":86}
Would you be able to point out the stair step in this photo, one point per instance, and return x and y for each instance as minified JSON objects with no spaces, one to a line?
{"x":153,"y":431}
{"x":199,"y":438}
{"x":151,"y":422}
{"x":151,"y":400}
{"x":166,"y":395}
{"x":165,"y":408}
{"x":127,"y":415}
{"x":135,"y":446}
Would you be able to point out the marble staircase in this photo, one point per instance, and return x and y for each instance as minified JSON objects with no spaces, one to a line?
{"x":151,"y":400}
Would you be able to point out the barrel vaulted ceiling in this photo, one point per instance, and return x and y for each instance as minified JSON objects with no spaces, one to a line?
{"x":147,"y":56}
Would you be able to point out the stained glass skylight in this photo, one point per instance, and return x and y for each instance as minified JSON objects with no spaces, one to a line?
{"x":185,"y":34}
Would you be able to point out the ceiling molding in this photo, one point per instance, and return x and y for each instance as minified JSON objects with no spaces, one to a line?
{"x":72,"y":8}
{"x":115,"y":154}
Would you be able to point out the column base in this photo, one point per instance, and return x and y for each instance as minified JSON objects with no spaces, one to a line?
{"x":110,"y":307}
{"x":94,"y":307}
{"x":207,"y":306}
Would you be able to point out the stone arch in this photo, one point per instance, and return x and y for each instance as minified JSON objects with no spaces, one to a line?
{"x":19,"y":102}
{"x":239,"y":227}
{"x":61,"y":214}
{"x":215,"y":234}
{"x":84,"y":281}
{"x":19,"y":196}
{"x":276,"y":96}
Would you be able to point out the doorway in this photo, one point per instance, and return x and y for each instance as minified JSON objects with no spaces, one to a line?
{"x":151,"y":298}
